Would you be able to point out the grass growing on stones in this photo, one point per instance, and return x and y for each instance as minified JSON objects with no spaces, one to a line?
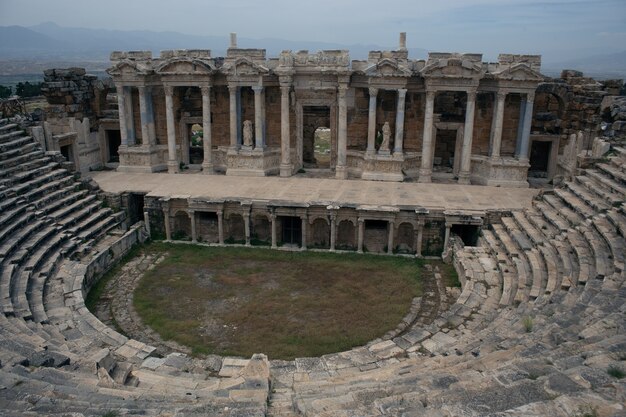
{"x":238,"y":301}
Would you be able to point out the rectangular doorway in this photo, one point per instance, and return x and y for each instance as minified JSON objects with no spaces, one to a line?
{"x":316,"y":137}
{"x":445,"y":150}
{"x":539,"y":159}
{"x":114,"y":140}
{"x":292,"y":230}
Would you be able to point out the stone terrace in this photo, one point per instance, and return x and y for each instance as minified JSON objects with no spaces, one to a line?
{"x":539,"y":321}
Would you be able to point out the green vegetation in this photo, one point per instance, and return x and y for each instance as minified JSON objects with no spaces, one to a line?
{"x":527,"y":322}
{"x":5,"y":92}
{"x":27,"y":89}
{"x":616,"y":372}
{"x":238,"y":301}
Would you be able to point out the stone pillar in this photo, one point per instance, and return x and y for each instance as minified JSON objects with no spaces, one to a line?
{"x":234,"y":122}
{"x":333,"y":230}
{"x":341,"y":170}
{"x":121,"y":106}
{"x":207,"y":163}
{"x":520,"y":128}
{"x":146,"y":221}
{"x":446,"y":239}
{"x":220,"y":226}
{"x":172,"y":161}
{"x":246,"y":225}
{"x":497,"y":125}
{"x":399,"y":138}
{"x":528,"y":118}
{"x":420,"y":237}
{"x":361,"y":233}
{"x":304,"y":232}
{"x":192,"y":219}
{"x":130,"y":120}
{"x":166,"y":220}
{"x":468,"y":133}
{"x":391,"y":226}
{"x":273,"y":219}
{"x":371,"y":122}
{"x":258,"y":117}
{"x":146,"y":116}
{"x":426,"y":168}
{"x":285,"y":149}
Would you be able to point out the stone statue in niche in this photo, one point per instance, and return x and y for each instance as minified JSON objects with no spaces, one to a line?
{"x":247,"y":133}
{"x":384,"y":146}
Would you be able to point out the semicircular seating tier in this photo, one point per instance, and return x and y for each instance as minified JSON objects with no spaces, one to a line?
{"x":539,"y":319}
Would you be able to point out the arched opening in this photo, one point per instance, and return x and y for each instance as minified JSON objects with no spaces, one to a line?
{"x":235,"y":229}
{"x":405,"y":239}
{"x":547,"y":112}
{"x":375,"y":236}
{"x":182,"y":226}
{"x":346,"y":236}
{"x":261,"y":231}
{"x":320,"y":234}
{"x":208,"y":228}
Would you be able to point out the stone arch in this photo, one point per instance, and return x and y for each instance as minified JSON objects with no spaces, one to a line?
{"x":346,"y":235}
{"x":549,"y":108}
{"x":207,"y":226}
{"x":235,"y":228}
{"x":182,"y":226}
{"x":405,"y":238}
{"x":319,"y":237}
{"x":261,"y":228}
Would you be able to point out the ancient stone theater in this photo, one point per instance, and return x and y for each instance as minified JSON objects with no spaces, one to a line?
{"x":516,"y":179}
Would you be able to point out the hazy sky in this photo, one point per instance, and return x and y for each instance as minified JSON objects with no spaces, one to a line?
{"x":488,"y":26}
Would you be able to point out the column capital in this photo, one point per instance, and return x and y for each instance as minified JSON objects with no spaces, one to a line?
{"x":191,"y":212}
{"x":471,"y":94}
{"x":341,"y":89}
{"x":501,"y":94}
{"x":402,"y":92}
{"x":373,"y":91}
{"x":360,"y":220}
{"x":219,"y":212}
{"x":169,"y":90}
{"x":257,"y":88}
{"x":142,"y":89}
{"x":530,"y":97}
{"x":206,"y":89}
{"x":232,"y":88}
{"x":285,"y":89}
{"x":430,"y":94}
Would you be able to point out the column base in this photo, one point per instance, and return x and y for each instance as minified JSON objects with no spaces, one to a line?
{"x":341,"y":172}
{"x":286,"y":170}
{"x":173,"y":167}
{"x":207,"y":169}
{"x":425,"y":176}
{"x":464,"y":178}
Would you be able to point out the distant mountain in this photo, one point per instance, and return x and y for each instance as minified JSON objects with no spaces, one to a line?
{"x":597,"y":66}
{"x":49,"y":40}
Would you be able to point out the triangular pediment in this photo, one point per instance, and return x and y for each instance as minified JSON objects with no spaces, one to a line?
{"x":185,"y":66}
{"x":519,"y":72}
{"x":127,"y":67}
{"x":452,"y":68}
{"x":245,"y":67}
{"x":387,"y":68}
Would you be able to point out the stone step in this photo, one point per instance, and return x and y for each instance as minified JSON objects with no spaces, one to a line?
{"x":592,"y":186}
{"x":551,"y":216}
{"x":618,"y":221}
{"x":607,"y":183}
{"x":594,"y":201}
{"x":8,"y":135}
{"x":614,"y":173}
{"x":575,"y":203}
{"x":35,"y":195}
{"x":17,"y":151}
{"x":583,"y":254}
{"x":561,"y":209}
{"x":15,"y":143}
{"x":615,"y":242}
{"x":531,"y":231}
{"x":43,"y":180}
{"x":8,"y":127}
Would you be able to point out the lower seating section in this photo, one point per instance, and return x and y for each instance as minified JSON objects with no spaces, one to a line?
{"x":538,"y":321}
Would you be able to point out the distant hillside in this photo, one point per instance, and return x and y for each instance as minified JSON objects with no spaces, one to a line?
{"x":599,"y":66}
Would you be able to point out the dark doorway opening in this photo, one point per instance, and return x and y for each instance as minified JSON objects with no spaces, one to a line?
{"x":467,"y":232}
{"x":66,"y":151}
{"x":135,"y":207}
{"x":539,"y":159}
{"x":445,"y":145}
{"x":196,"y":148}
{"x":292,"y":230}
{"x":375,"y":236}
{"x":114,"y":140}
{"x":316,"y":137}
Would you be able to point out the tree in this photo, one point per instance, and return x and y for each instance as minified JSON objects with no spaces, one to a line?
{"x":5,"y":91}
{"x":27,"y":89}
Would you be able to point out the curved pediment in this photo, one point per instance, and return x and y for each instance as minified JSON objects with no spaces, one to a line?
{"x":245,"y":67}
{"x":452,"y":67}
{"x":519,"y":72}
{"x":387,"y":68}
{"x":128,"y":67}
{"x":185,"y":66}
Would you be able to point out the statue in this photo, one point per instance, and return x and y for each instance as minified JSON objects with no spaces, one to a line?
{"x":247,"y":133}
{"x":384,"y":146}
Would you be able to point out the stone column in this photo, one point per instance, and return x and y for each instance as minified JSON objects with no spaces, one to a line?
{"x":172,"y":161}
{"x":361,"y":233}
{"x":371,"y":122}
{"x":166,"y":220}
{"x":468,"y":133}
{"x":246,"y":225}
{"x":207,"y":163}
{"x":273,"y":219}
{"x":333,"y":230}
{"x":121,"y":106}
{"x":220,"y":226}
{"x":192,"y":219}
{"x":146,"y":221}
{"x":520,"y":127}
{"x":399,"y":138}
{"x":341,"y":170}
{"x":234,"y":122}
{"x":258,"y":117}
{"x":497,"y":125}
{"x":146,"y":116}
{"x":446,"y":239}
{"x":420,"y":237}
{"x":285,"y":139}
{"x":528,"y":118}
{"x":304,"y":232}
{"x":427,"y":139}
{"x":390,"y":225}
{"x":130,"y":119}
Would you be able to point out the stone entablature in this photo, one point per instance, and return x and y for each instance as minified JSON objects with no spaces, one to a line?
{"x":269,"y":94}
